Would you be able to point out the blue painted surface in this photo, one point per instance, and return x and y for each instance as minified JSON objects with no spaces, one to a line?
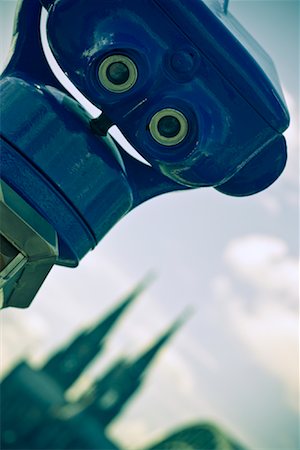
{"x":189,"y":58}
{"x":72,"y":170}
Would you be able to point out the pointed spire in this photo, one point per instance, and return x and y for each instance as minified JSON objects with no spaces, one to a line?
{"x":100,"y":330}
{"x":142,"y":362}
{"x":109,"y":395}
{"x":68,"y":364}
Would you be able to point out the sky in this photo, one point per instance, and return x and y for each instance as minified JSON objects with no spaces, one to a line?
{"x":234,"y":260}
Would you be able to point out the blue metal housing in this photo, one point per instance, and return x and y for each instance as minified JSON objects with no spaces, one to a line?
{"x":53,"y":159}
{"x":64,"y":171}
{"x":190,"y":56}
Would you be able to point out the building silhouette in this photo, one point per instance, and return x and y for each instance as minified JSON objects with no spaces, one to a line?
{"x":109,"y":395}
{"x":35,"y":413}
{"x":204,"y":436}
{"x":68,"y":364}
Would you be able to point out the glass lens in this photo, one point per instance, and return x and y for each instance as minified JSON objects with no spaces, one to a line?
{"x":168,"y":126}
{"x":117,"y":73}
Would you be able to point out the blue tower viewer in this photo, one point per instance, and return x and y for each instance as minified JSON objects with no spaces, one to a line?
{"x":190,"y":89}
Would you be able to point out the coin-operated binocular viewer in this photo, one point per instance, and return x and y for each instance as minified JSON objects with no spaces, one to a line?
{"x":188,"y":87}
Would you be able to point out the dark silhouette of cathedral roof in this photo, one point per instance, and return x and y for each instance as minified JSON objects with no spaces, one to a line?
{"x":200,"y":436}
{"x":68,"y":364}
{"x":37,"y":414}
{"x":109,"y":395}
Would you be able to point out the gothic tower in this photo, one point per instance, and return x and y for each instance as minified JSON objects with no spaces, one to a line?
{"x":109,"y":395}
{"x":68,"y":364}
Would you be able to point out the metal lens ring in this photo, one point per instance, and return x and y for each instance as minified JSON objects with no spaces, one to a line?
{"x":117,"y":73}
{"x":168,"y":126}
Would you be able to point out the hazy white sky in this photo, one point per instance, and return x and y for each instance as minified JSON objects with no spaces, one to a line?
{"x":235,"y":260}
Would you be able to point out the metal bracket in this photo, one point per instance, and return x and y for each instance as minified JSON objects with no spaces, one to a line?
{"x":28,"y":249}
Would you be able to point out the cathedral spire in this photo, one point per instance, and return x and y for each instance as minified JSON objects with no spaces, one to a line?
{"x":107,"y":397}
{"x":98,"y":331}
{"x":140,"y":364}
{"x":68,"y":364}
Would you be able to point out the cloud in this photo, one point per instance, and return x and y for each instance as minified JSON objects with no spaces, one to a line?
{"x":20,"y":336}
{"x":132,"y":431}
{"x":270,"y":334}
{"x":263,"y":262}
{"x":260,"y":300}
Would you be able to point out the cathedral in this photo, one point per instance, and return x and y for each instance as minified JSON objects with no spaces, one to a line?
{"x":35,"y":413}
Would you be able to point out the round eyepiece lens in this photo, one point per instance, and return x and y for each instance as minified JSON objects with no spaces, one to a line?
{"x":168,"y":126}
{"x":117,"y":73}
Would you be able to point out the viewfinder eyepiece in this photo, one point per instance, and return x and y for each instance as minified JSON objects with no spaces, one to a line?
{"x":168,"y":127}
{"x":117,"y":73}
